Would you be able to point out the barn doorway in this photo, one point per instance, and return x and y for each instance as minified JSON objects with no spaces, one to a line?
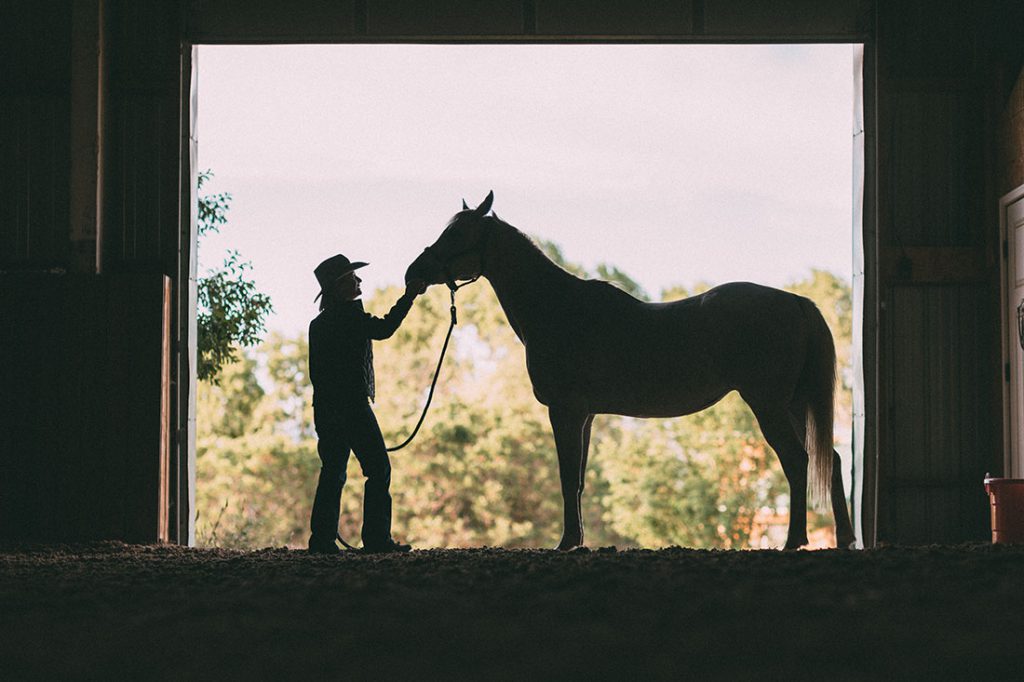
{"x":365,"y":201}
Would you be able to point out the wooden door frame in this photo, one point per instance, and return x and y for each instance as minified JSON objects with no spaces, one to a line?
{"x":1011,"y":468}
{"x":864,"y":484}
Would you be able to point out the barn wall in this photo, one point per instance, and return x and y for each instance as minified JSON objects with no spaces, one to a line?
{"x":35,"y":105}
{"x":266,"y":21}
{"x":89,"y":192}
{"x":944,"y":144}
{"x":940,"y":417}
{"x":140,"y":230}
{"x":147,"y":200}
{"x":84,"y":441}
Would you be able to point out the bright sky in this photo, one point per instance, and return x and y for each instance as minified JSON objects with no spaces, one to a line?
{"x":675,"y":163}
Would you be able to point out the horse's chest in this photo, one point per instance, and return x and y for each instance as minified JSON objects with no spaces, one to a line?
{"x":558,"y":370}
{"x":550,"y":375}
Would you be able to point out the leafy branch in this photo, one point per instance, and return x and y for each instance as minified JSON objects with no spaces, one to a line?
{"x":231,"y":310}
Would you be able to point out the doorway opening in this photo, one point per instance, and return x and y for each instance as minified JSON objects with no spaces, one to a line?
{"x":663,"y":168}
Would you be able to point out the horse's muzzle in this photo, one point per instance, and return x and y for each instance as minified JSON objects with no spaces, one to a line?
{"x":426,"y":268}
{"x":415,"y":271}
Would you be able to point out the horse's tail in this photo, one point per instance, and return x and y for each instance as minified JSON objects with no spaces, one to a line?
{"x":818,"y":383}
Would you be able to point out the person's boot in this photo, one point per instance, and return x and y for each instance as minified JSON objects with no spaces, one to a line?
{"x":317,"y":546}
{"x":388,"y":546}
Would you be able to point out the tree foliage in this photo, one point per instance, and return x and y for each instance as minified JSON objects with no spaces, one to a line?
{"x":483,"y":470}
{"x":231,"y":310}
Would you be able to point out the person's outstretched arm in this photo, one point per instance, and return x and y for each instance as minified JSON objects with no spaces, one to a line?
{"x":383,"y":327}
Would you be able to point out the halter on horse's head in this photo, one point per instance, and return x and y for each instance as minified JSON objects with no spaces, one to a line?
{"x":458,"y":254}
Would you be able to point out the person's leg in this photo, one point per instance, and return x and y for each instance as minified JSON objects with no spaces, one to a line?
{"x":368,"y":445}
{"x":333,"y":448}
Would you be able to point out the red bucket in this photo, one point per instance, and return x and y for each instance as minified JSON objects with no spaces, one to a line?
{"x":1007,"y":498}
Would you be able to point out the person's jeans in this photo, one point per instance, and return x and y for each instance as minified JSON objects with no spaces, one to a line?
{"x":341,"y":428}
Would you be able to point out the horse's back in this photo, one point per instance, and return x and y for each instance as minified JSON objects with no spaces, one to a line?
{"x":729,"y":320}
{"x":662,"y":359}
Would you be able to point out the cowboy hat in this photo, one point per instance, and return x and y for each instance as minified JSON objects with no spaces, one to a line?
{"x":333,"y":269}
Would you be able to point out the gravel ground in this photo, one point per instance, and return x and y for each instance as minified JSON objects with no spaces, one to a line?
{"x":114,"y":611}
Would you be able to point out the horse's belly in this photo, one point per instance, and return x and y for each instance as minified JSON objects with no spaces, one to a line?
{"x":638,"y":386}
{"x":655,"y":403}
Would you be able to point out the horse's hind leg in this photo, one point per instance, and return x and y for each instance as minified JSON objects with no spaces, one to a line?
{"x":572,"y":430}
{"x":778,"y":430}
{"x":845,"y":537}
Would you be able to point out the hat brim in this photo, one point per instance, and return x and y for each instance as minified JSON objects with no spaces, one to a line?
{"x":352,"y":267}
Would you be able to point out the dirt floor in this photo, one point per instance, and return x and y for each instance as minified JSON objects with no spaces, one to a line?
{"x":114,"y":611}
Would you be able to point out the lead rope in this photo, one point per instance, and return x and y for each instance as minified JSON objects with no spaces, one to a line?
{"x":430,"y":395}
{"x":437,"y":372}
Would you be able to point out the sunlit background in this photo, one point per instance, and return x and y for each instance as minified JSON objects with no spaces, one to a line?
{"x":680,"y":166}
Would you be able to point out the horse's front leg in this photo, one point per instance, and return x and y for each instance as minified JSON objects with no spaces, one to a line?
{"x":571,"y":428}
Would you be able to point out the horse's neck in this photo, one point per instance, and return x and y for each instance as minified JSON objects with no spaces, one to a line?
{"x":525,"y":281}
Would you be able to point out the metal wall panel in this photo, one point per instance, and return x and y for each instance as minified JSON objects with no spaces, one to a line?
{"x":936,"y":40}
{"x":261,"y":21}
{"x":141,"y":209}
{"x":266,"y":21}
{"x":146,"y":40}
{"x":460,"y":18}
{"x":614,"y":17}
{"x":83,"y":442}
{"x":941,"y":186}
{"x":35,"y":48}
{"x":141,"y":175}
{"x":940,"y":419}
{"x":940,"y":423}
{"x":782,"y":19}
{"x":143,"y":200}
{"x":34,"y":174}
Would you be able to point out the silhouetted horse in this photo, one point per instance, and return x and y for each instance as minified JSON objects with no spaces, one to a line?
{"x":593,"y":349}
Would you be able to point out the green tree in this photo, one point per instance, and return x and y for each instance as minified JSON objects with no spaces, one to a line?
{"x":231,"y":310}
{"x":255,"y":472}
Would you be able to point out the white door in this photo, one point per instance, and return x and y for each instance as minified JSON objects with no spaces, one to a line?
{"x":1012,"y":207}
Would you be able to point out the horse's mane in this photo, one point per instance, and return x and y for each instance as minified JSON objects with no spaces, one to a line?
{"x":530,"y":244}
{"x":534,"y":250}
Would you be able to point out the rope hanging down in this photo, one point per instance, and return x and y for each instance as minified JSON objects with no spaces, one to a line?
{"x":437,"y":372}
{"x":430,"y":395}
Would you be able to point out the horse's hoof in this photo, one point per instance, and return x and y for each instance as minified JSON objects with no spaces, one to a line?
{"x":564,"y":546}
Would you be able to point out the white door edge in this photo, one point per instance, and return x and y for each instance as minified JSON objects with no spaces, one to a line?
{"x":1013,"y":456}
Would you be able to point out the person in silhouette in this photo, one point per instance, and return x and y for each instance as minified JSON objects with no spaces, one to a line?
{"x":341,"y":371}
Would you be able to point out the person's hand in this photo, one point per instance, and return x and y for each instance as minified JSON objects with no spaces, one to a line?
{"x":415,"y":287}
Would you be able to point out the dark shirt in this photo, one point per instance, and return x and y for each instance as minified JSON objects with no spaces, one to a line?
{"x":341,"y":349}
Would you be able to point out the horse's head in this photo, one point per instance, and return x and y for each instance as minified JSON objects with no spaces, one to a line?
{"x":459,"y":252}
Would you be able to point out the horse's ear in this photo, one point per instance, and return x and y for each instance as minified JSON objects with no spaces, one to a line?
{"x":485,"y":205}
{"x":464,"y":206}
{"x":495,"y":214}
